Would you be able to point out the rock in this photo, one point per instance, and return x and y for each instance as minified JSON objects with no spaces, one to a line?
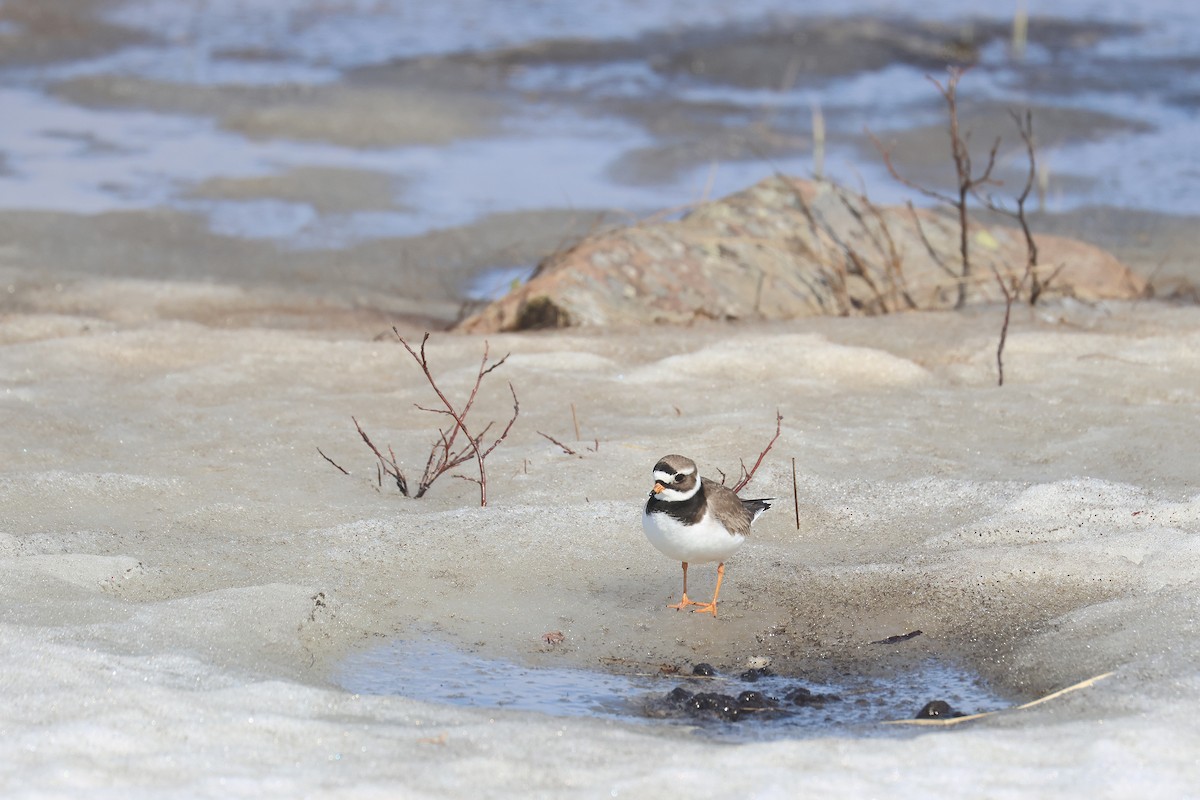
{"x":721,"y":706}
{"x":753,"y":674}
{"x":753,"y":701}
{"x":937,"y":709}
{"x":788,"y":248}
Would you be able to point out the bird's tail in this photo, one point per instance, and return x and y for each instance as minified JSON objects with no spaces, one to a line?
{"x":757,"y":507}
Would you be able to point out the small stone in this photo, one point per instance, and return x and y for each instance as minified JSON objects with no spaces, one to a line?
{"x":751,"y":675}
{"x":704,"y":670}
{"x":799,"y":696}
{"x":721,"y":705}
{"x":753,"y":701}
{"x":678,"y":696}
{"x":936,"y":709}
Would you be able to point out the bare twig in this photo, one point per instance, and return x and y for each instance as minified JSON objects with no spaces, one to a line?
{"x":1012,"y":288}
{"x":331,"y":461}
{"x":564,"y":448}
{"x":445,"y":446}
{"x":886,"y":282}
{"x":447,"y":452}
{"x":1010,"y":293}
{"x":795,"y":494}
{"x":968,"y":183}
{"x":929,"y":248}
{"x":390,"y":467}
{"x":1036,"y":285}
{"x":748,"y":475}
{"x":1025,"y":128}
{"x":575,"y":421}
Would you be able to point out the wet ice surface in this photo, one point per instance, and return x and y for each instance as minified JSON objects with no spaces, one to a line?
{"x":558,"y":158}
{"x":794,"y":707}
{"x":184,"y":575}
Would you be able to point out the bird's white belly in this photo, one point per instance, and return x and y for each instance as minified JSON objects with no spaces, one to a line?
{"x":705,"y":541}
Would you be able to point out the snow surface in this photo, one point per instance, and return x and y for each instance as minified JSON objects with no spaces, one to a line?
{"x":183,"y":572}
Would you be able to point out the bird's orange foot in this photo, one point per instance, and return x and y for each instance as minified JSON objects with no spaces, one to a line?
{"x":684,"y":603}
{"x":705,"y":608}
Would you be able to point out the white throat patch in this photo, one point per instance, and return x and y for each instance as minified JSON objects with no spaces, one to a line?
{"x":674,"y":495}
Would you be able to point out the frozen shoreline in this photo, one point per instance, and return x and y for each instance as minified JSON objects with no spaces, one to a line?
{"x":183,"y":570}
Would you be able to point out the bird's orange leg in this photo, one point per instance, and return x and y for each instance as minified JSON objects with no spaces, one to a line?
{"x":711,"y":608}
{"x":684,"y":602}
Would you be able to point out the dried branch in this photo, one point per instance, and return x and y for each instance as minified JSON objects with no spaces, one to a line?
{"x":1024,"y":124}
{"x":447,"y":452}
{"x":460,"y":416}
{"x":795,"y":494}
{"x":564,"y":448}
{"x":884,"y":278}
{"x":1012,"y":289}
{"x":331,"y":461}
{"x":390,"y":467}
{"x":1010,"y":293}
{"x":748,"y":475}
{"x":929,"y":248}
{"x":968,"y":183}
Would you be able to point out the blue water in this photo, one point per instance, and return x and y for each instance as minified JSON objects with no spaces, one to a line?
{"x":438,"y":673}
{"x":56,"y":156}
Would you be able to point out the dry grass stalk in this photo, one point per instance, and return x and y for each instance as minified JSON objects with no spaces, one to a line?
{"x":795,"y":494}
{"x":947,"y":721}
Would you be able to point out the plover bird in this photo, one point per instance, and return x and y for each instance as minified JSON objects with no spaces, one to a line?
{"x":695,"y":520}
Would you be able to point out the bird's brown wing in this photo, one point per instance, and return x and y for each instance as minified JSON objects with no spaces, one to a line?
{"x":728,"y":506}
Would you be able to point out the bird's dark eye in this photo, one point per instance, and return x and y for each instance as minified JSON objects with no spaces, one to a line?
{"x":678,"y":478}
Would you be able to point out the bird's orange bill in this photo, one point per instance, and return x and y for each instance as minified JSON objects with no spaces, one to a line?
{"x":658,"y":487}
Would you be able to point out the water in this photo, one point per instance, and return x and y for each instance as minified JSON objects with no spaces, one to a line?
{"x":438,"y":673}
{"x":59,"y":156}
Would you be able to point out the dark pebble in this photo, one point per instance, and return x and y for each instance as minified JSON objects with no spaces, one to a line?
{"x":801,"y":696}
{"x":937,"y":709}
{"x":678,"y":696}
{"x":721,"y":705}
{"x":704,"y":670}
{"x":751,"y":675}
{"x":753,"y":701}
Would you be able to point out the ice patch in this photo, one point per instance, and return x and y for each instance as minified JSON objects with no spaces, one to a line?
{"x":106,"y":485}
{"x":1078,"y":509}
{"x":561,"y":361}
{"x":807,"y":357}
{"x":86,"y":571}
